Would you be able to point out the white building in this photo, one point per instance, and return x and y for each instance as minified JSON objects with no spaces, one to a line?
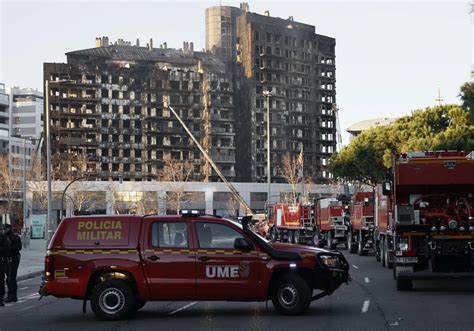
{"x":26,"y":113}
{"x":151,"y":197}
{"x":359,"y":127}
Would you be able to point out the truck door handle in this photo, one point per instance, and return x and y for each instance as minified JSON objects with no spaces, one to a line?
{"x":203,"y":258}
{"x":153,"y":258}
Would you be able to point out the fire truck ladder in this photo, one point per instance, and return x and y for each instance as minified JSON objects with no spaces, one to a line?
{"x":231,"y":187}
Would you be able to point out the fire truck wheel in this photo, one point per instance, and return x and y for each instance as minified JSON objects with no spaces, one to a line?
{"x":377,"y":251}
{"x":386,"y":255}
{"x":351,"y":246}
{"x":316,"y":240}
{"x":291,"y":295}
{"x":331,"y":244}
{"x":291,"y":237}
{"x":273,"y":234}
{"x":112,"y":300}
{"x":404,"y":284}
{"x":360,"y":246}
{"x":296,"y":237}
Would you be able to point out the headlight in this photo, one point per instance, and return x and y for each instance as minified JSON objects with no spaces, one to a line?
{"x":329,"y":260}
{"x":403,"y":244}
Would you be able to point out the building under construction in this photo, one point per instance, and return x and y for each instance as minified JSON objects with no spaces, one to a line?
{"x":107,"y":103}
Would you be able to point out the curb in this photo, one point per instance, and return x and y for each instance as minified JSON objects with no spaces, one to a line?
{"x":30,"y":275}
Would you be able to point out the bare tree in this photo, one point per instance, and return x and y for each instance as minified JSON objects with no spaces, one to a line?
{"x":178,"y":172}
{"x":10,"y":186}
{"x":81,"y":193}
{"x":291,"y":170}
{"x":233,"y":207}
{"x":37,"y":184}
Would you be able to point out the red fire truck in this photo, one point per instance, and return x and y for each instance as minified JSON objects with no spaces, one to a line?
{"x":331,"y":227}
{"x":361,"y":229}
{"x":292,"y":222}
{"x":425,"y":217}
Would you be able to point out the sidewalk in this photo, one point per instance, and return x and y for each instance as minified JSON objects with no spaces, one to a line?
{"x":32,"y":259}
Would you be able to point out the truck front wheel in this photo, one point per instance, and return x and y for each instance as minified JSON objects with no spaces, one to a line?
{"x":291,"y":295}
{"x":112,"y":300}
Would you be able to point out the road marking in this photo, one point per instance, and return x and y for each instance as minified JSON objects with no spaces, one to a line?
{"x":367,"y":280}
{"x":26,"y":308}
{"x":31,"y":296}
{"x":183,"y":308}
{"x":355,"y":266}
{"x":23,"y":288}
{"x":365,"y":306}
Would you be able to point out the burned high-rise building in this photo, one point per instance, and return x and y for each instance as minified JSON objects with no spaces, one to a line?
{"x":297,"y":65}
{"x":107,"y":103}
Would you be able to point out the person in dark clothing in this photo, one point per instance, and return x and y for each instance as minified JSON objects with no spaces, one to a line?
{"x":13,"y":261}
{"x":3,"y":264}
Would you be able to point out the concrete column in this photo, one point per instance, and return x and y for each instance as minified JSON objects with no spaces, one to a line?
{"x":209,"y":198}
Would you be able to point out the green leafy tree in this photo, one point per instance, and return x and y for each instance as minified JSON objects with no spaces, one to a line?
{"x":368,"y":156}
{"x":467,"y":98}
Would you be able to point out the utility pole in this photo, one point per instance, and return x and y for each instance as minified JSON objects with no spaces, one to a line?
{"x":24,"y":185}
{"x":267,"y":95}
{"x":48,"y":165}
{"x":439,"y":100}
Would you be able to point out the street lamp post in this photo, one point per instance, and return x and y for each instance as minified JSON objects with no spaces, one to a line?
{"x":48,"y":164}
{"x":63,"y":212}
{"x":267,"y":95}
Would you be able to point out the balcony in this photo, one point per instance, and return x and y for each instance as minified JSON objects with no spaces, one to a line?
{"x":223,"y":158}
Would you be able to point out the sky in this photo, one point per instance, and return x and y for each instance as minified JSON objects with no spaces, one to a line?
{"x":391,"y":56}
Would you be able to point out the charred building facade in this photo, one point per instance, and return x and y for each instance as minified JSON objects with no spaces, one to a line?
{"x":107,"y":103}
{"x":297,"y":65}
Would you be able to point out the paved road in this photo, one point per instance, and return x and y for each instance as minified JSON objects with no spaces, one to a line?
{"x":369,"y":302}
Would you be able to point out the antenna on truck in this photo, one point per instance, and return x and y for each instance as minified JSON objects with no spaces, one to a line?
{"x":231,"y":187}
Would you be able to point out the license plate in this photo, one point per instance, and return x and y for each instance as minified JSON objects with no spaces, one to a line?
{"x":406,"y":259}
{"x":340,"y":227}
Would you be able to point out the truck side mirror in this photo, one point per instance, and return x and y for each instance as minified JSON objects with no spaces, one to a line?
{"x":386,"y":188}
{"x":242,"y":245}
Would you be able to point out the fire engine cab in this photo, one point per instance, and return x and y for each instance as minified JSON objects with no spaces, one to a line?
{"x":118,"y":263}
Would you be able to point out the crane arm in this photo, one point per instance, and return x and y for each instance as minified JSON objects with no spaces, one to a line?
{"x":231,"y":187}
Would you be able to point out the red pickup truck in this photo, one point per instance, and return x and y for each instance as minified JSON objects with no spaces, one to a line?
{"x":121,"y":262}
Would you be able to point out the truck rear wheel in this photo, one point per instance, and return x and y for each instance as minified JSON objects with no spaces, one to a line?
{"x":386,"y":255}
{"x":331,"y":244}
{"x":351,"y":245}
{"x":291,"y":295}
{"x":274,"y":233}
{"x":360,"y":246}
{"x":291,"y":237}
{"x":112,"y":300}
{"x":297,"y":236}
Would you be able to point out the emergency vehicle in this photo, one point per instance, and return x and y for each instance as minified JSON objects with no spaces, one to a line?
{"x":331,"y":224}
{"x":361,"y":229}
{"x":425,"y":217}
{"x":291,"y":222}
{"x":120,"y":262}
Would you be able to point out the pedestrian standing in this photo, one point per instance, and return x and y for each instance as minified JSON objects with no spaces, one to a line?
{"x":3,"y":264}
{"x":13,"y":261}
